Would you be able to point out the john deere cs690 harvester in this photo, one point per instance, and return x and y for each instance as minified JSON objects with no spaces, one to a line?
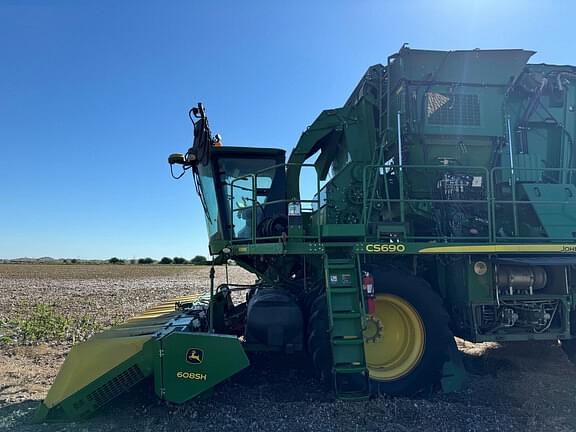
{"x":443,"y":203}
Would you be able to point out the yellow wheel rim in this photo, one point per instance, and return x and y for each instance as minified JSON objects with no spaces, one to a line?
{"x":394,"y":338}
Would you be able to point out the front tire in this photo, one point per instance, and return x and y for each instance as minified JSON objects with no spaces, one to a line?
{"x":318,"y":339}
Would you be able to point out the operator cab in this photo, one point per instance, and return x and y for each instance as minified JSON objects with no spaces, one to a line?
{"x":244,"y":193}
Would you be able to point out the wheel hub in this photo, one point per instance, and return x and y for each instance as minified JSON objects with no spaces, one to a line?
{"x":373,"y":330}
{"x":394,"y":338}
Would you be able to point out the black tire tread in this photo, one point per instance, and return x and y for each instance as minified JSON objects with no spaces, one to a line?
{"x":428,"y":304}
{"x":318,"y":340}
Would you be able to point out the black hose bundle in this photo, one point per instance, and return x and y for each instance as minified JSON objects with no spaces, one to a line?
{"x":199,"y":153}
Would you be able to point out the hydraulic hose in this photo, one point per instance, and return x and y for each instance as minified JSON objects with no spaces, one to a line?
{"x":200,"y":150}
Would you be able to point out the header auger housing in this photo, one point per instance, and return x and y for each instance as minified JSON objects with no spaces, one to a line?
{"x":444,"y":202}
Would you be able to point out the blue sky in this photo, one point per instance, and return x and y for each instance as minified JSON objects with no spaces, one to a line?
{"x":94,"y":96}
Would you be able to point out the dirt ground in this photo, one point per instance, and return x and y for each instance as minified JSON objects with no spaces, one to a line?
{"x":513,"y":387}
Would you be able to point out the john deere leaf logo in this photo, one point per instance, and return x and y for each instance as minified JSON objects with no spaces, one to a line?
{"x":194,"y":356}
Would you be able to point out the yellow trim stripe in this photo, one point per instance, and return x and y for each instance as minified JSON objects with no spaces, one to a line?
{"x":564,"y":248}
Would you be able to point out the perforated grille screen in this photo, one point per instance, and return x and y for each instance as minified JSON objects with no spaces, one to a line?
{"x":453,"y":109}
{"x":116,"y":386}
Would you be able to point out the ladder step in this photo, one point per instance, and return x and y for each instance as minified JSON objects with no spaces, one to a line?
{"x":355,"y":396}
{"x":339,"y":261}
{"x":346,"y":365}
{"x":341,"y":266}
{"x":337,"y":290}
{"x":351,"y":340}
{"x":351,"y":382}
{"x":345,"y":315}
{"x":350,"y":369}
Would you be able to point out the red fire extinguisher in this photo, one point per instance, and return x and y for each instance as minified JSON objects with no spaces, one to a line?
{"x":368,"y":286}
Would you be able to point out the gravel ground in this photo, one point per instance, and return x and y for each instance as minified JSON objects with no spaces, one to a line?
{"x":515,"y":387}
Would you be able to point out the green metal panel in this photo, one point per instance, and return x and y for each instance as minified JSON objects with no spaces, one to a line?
{"x":484,"y":67}
{"x":480,"y":287}
{"x":462,"y":285}
{"x":277,"y":248}
{"x":555,"y":206}
{"x":195,"y":362}
{"x":343,"y":230}
{"x":458,"y":248}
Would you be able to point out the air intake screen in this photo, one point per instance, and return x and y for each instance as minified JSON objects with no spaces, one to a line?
{"x":116,"y":386}
{"x":452,"y":109}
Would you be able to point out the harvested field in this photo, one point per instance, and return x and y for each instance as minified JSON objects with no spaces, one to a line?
{"x":515,"y":387}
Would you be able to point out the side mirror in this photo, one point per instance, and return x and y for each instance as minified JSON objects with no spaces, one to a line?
{"x":176,"y":158}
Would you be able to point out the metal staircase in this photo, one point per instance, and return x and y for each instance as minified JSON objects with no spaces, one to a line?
{"x":346,"y":313}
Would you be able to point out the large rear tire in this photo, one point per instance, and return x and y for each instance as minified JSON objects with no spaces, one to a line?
{"x":406,"y":340}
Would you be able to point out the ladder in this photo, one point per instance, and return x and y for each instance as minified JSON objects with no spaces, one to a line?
{"x":346,"y":316}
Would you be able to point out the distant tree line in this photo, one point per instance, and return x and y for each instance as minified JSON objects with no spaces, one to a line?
{"x":197,"y":260}
{"x":115,"y":260}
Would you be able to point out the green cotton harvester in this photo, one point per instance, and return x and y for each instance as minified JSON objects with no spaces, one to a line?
{"x":439,"y":201}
